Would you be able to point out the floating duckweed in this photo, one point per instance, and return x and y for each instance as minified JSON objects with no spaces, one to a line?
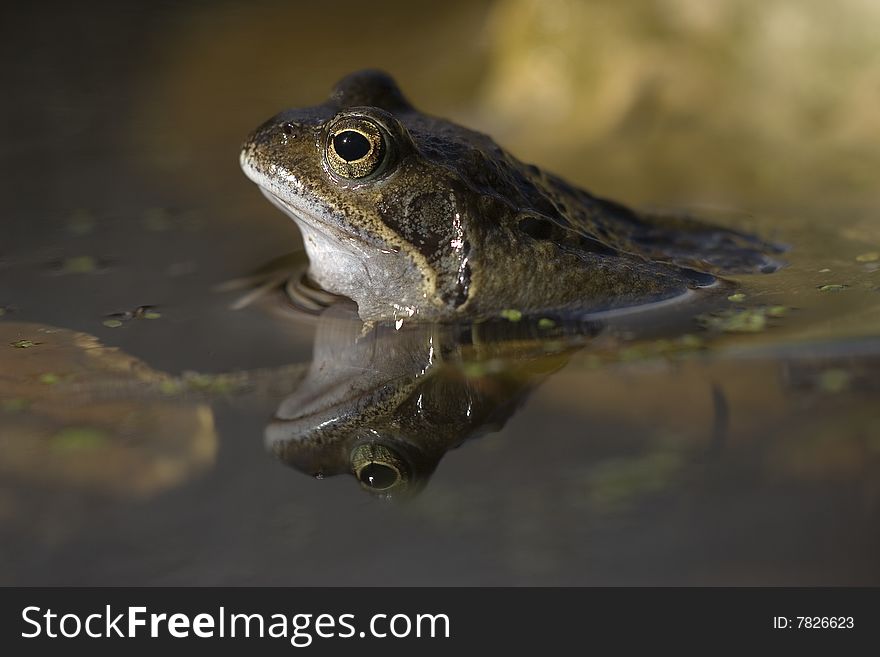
{"x":690,"y":341}
{"x":14,"y":405}
{"x":511,"y":314}
{"x":49,"y":378}
{"x":872,"y":256}
{"x":81,"y":222}
{"x":749,"y":320}
{"x":141,"y":312}
{"x":743,"y":321}
{"x":661,"y":347}
{"x":616,"y":483}
{"x":546,"y":323}
{"x":635,"y":353}
{"x":737,"y":297}
{"x":157,"y":219}
{"x":24,"y":344}
{"x":553,"y":347}
{"x":474,"y":369}
{"x":76,"y":438}
{"x":170,"y":387}
{"x":836,"y":380}
{"x":220,"y":384}
{"x":198,"y":381}
{"x":835,"y":287}
{"x":79,"y":265}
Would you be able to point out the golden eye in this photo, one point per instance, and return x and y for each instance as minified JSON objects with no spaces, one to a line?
{"x":355,"y":148}
{"x":351,"y":145}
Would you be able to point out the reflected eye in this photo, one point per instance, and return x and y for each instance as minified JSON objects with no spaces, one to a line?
{"x":378,"y":467}
{"x":378,"y":476}
{"x":355,"y":148}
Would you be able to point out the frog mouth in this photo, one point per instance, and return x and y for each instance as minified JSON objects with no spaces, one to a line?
{"x":298,"y":213}
{"x":314,"y":222}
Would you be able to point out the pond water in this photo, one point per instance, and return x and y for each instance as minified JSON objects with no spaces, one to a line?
{"x":151,"y":434}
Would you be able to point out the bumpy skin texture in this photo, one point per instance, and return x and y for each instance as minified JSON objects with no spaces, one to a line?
{"x":450,"y":225}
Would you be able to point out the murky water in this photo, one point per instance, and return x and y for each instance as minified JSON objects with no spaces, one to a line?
{"x":151,"y":435}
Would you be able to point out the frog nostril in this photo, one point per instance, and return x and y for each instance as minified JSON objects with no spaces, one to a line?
{"x":538,"y":229}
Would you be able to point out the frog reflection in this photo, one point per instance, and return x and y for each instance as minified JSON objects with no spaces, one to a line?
{"x":386,"y":406}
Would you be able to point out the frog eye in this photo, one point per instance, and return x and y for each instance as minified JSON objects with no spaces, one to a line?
{"x":355,"y":148}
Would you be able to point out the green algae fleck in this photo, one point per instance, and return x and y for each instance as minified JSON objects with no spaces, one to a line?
{"x":747,"y":320}
{"x":170,"y":387}
{"x":219,"y":384}
{"x":79,"y":438}
{"x":81,"y":222}
{"x":474,"y":369}
{"x":14,"y":405}
{"x":511,"y":314}
{"x":834,"y":380}
{"x":157,"y":219}
{"x":661,"y":348}
{"x":617,"y":483}
{"x":79,"y":265}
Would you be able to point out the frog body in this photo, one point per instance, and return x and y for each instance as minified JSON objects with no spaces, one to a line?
{"x":413,"y":216}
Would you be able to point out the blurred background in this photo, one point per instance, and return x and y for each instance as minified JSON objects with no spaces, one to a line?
{"x":662,"y":99}
{"x":657,"y":99}
{"x":119,"y":171}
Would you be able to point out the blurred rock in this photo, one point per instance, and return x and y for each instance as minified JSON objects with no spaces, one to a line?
{"x":689,"y":94}
{"x":76,"y":415}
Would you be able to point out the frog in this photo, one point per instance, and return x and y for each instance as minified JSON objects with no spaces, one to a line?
{"x":414,"y":217}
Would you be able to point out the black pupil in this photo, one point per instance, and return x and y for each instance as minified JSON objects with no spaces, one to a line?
{"x":351,"y":145}
{"x":376,"y":475}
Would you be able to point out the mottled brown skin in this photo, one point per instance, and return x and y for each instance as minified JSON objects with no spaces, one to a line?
{"x":449,"y":225}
